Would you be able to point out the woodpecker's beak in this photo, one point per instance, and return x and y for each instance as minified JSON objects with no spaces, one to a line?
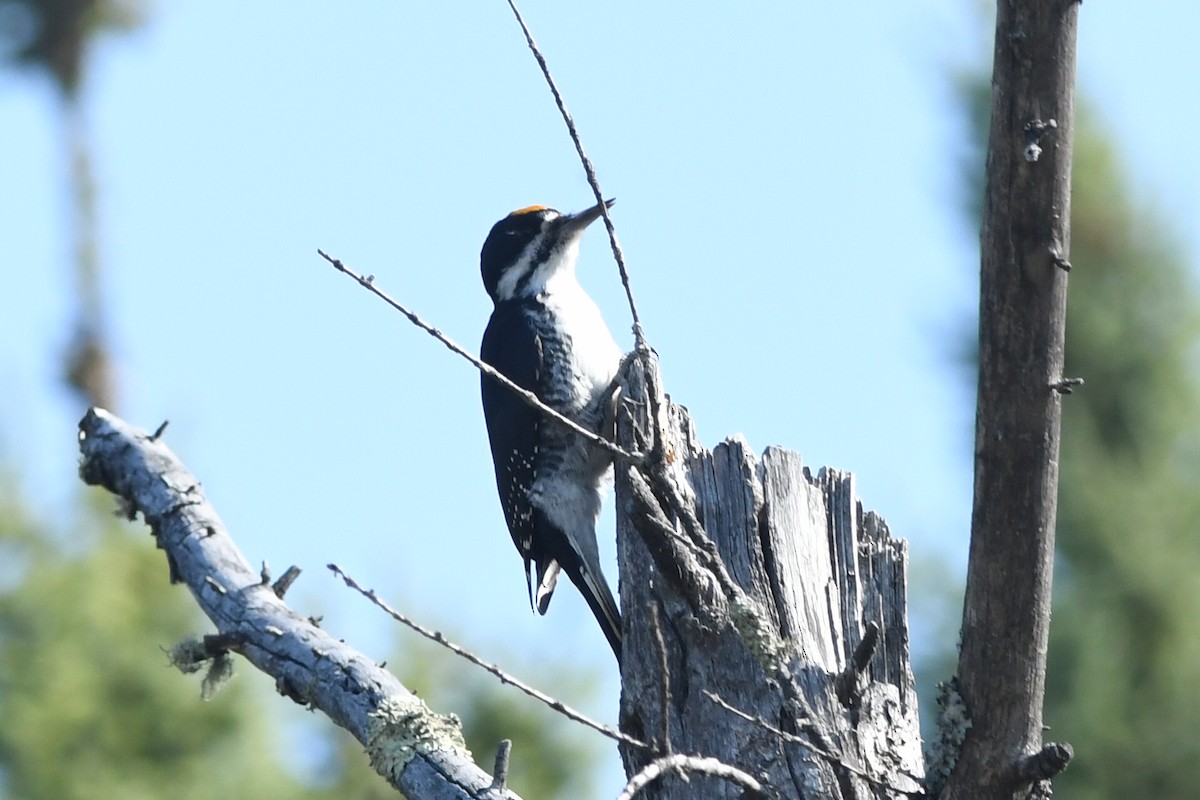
{"x":572,"y":225}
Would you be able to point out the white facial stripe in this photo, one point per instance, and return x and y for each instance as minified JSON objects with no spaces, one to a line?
{"x":561,"y":262}
{"x":506,"y":288}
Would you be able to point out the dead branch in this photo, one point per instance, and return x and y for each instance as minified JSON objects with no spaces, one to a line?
{"x":682,"y":765}
{"x":1025,"y":246}
{"x":419,"y":752}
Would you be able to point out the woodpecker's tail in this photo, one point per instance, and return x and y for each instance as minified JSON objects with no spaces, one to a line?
{"x":547,"y":579}
{"x":591,"y":585}
{"x":600,"y":599}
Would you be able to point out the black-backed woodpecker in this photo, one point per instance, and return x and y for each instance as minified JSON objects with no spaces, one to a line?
{"x":547,"y":336}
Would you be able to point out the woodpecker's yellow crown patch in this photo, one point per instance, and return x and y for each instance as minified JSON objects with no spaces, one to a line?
{"x":527,"y":210}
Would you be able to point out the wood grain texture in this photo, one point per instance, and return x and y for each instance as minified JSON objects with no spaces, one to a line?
{"x":806,"y":571}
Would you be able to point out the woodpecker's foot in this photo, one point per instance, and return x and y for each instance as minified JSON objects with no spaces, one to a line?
{"x":610,"y":398}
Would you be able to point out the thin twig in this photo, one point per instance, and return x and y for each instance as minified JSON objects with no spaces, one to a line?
{"x":800,"y":740}
{"x":368,"y":282}
{"x":536,"y":694}
{"x":681,"y":765}
{"x":790,"y":737}
{"x":638,"y":335}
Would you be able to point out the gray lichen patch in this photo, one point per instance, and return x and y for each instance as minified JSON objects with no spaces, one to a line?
{"x":191,"y":655}
{"x":953,"y":722}
{"x":403,"y":728}
{"x":220,"y":672}
{"x":757,"y":632}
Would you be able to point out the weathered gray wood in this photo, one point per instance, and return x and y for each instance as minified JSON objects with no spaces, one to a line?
{"x":769,"y":627}
{"x":1023,"y":296}
{"x":753,"y":579}
{"x":419,"y":752}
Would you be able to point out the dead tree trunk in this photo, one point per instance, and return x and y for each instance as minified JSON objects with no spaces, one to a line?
{"x":1022,"y":315}
{"x":765,"y":617}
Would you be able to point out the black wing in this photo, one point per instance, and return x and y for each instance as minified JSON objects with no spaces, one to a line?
{"x":512,"y":346}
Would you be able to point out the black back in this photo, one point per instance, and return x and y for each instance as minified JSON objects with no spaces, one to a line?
{"x":511,"y":345}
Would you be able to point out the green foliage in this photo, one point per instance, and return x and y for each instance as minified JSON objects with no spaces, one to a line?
{"x":89,"y":707}
{"x":1124,"y":656}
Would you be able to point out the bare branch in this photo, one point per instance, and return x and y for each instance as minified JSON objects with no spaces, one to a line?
{"x":504,"y":677}
{"x":782,"y":734}
{"x":801,"y":741}
{"x":681,"y":765}
{"x":368,"y":282}
{"x":638,"y":335}
{"x":419,"y":752}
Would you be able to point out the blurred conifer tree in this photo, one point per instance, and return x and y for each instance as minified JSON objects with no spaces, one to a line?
{"x":1124,"y":661}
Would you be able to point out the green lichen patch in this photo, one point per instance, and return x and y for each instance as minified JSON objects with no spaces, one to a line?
{"x":403,"y":728}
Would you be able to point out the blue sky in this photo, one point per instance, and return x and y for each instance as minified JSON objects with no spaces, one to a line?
{"x":788,"y":199}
